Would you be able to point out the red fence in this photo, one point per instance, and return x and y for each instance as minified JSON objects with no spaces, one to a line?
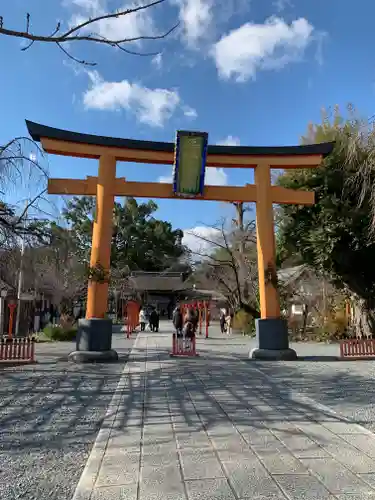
{"x":183,"y":346}
{"x":22,"y":349}
{"x":357,"y":348}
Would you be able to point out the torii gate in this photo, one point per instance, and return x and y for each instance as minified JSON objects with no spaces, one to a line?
{"x":272,"y":331}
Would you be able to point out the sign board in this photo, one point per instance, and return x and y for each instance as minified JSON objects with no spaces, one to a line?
{"x":190,"y":163}
{"x":27,"y":296}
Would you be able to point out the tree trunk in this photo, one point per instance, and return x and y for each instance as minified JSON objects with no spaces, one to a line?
{"x":363,"y":318}
{"x":305,"y":316}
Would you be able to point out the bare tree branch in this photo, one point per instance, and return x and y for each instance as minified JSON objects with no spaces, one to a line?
{"x":74,"y":34}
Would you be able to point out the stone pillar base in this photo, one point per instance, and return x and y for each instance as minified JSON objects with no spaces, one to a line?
{"x":273,"y":341}
{"x":94,"y":342}
{"x":93,"y":356}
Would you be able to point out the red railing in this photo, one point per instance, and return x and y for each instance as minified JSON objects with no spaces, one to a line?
{"x":14,"y":349}
{"x":183,"y":346}
{"x":357,"y":348}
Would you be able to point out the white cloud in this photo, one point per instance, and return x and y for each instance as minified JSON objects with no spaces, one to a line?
{"x":157,"y":61}
{"x":151,"y":106}
{"x":281,"y":5}
{"x":134,"y":25}
{"x":252,"y":47}
{"x":230,"y":141}
{"x":196,"y":17}
{"x":190,"y":112}
{"x":214,"y":177}
{"x":202,"y":239}
{"x":202,"y":20}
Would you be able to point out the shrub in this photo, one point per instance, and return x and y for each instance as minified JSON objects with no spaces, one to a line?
{"x":244,"y":322}
{"x":60,"y":334}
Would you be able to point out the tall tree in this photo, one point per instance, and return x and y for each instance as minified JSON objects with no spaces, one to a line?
{"x":140,"y":241}
{"x":335,"y":235}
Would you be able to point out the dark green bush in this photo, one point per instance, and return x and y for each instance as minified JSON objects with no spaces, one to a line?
{"x":59,"y":334}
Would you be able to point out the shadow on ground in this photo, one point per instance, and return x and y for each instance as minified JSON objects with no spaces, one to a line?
{"x":50,"y":414}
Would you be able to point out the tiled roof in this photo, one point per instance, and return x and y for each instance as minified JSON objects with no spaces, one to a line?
{"x":163,"y":282}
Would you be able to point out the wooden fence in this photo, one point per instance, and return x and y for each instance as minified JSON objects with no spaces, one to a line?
{"x":17,"y":349}
{"x":357,"y":348}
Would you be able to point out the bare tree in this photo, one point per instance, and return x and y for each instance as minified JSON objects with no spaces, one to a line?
{"x":228,"y":266}
{"x":81,"y":32}
{"x":23,"y":169}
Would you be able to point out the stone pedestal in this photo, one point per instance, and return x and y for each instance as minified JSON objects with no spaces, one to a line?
{"x":94,"y":342}
{"x":273,"y":341}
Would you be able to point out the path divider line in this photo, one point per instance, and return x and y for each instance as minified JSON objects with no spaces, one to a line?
{"x":90,"y":473}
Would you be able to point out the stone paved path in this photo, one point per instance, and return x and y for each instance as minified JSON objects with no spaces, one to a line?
{"x":216,"y":427}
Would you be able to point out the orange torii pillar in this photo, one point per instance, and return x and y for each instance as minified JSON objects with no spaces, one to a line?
{"x":94,"y":339}
{"x":271,"y":329}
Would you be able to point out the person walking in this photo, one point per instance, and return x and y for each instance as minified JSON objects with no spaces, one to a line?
{"x":157,"y":319}
{"x":222,"y":320}
{"x":229,"y":322}
{"x":142,"y":319}
{"x":192,"y":317}
{"x":154,"y":320}
{"x":177,"y":320}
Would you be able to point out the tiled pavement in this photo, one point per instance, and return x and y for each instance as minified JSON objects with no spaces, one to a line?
{"x":216,"y":427}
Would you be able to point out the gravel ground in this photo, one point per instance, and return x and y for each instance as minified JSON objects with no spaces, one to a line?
{"x":348,"y":387}
{"x":50,"y":414}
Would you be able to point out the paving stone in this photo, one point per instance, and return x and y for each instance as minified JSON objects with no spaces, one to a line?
{"x":227,"y":430}
{"x":302,"y":487}
{"x":280,"y":462}
{"x":209,"y":489}
{"x":250,"y":479}
{"x":117,"y":471}
{"x":198,"y":439}
{"x":364,"y":442}
{"x":343,"y":427}
{"x":368,"y":478}
{"x":359,"y":496}
{"x":161,"y":482}
{"x":263,"y":440}
{"x":235,"y":442}
{"x":301,"y":446}
{"x":200,"y":464}
{"x":164,"y":445}
{"x":349,"y":456}
{"x":157,"y":432}
{"x":236,"y":455}
{"x":126,"y":492}
{"x":335,"y":476}
{"x":165,"y":459}
{"x":123,"y":443}
{"x":316,"y":432}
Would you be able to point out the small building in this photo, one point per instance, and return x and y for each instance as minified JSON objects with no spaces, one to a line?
{"x":165,"y":289}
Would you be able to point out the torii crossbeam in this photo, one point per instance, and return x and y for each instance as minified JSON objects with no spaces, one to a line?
{"x":271,"y":330}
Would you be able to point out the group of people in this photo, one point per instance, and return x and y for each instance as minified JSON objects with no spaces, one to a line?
{"x":185,"y":325}
{"x":149,"y":317}
{"x":226,"y":321}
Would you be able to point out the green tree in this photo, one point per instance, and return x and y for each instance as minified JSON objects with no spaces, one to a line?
{"x":140,"y":241}
{"x":335,"y":234}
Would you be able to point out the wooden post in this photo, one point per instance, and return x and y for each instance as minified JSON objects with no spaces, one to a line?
{"x":206,"y":304}
{"x":200,"y":316}
{"x":269,"y":300}
{"x":97,"y":296}
{"x":12,"y":306}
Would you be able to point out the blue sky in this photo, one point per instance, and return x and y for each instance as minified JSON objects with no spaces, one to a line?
{"x":252,"y":72}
